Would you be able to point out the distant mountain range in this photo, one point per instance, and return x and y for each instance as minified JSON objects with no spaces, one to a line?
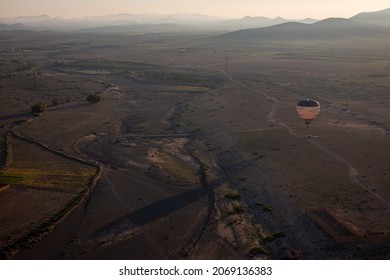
{"x":145,"y":23}
{"x":328,"y":29}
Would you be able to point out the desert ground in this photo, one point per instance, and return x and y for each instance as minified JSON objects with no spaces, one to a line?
{"x":195,"y":150}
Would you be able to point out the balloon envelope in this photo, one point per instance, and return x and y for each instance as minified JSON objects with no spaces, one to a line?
{"x":308,"y":109}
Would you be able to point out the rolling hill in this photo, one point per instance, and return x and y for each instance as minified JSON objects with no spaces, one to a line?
{"x":16,"y":26}
{"x":381,"y":18}
{"x":328,"y":29}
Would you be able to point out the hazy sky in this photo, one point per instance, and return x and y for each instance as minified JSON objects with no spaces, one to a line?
{"x":291,"y":9}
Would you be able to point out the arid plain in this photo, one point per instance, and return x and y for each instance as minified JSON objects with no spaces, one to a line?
{"x":195,"y":150}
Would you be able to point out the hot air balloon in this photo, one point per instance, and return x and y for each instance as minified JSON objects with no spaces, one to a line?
{"x":308,"y":109}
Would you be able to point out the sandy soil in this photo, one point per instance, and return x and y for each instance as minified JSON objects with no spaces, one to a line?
{"x":206,"y":160}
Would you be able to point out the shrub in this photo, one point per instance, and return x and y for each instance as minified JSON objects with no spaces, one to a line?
{"x":233,"y":195}
{"x":239,"y":209}
{"x":38,"y":108}
{"x":273,"y":236}
{"x":260,"y":250}
{"x":94,"y":97}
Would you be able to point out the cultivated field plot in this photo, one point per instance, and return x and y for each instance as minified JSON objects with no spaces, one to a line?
{"x":44,"y":186}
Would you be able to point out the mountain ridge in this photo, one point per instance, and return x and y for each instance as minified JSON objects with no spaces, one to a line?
{"x":327,"y":29}
{"x":381,"y":17}
{"x":200,"y":22}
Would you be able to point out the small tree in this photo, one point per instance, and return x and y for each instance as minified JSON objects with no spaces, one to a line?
{"x":38,"y":108}
{"x":94,"y":97}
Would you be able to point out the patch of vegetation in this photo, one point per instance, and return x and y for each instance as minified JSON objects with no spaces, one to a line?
{"x":10,"y":178}
{"x":263,"y":206}
{"x":170,"y":76}
{"x":273,"y":236}
{"x":260,"y":250}
{"x":188,"y":88}
{"x":38,"y":108}
{"x":376,"y":123}
{"x":196,"y":130}
{"x":94,"y":97}
{"x":233,"y":195}
{"x":213,"y":148}
{"x":106,"y":64}
{"x":35,"y":167}
{"x":235,"y":222}
{"x":239,"y":209}
{"x":20,"y":122}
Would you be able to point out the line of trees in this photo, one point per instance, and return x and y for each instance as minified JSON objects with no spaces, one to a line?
{"x":41,"y":107}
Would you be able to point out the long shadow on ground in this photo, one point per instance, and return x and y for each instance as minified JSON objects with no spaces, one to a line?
{"x":153,"y":211}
